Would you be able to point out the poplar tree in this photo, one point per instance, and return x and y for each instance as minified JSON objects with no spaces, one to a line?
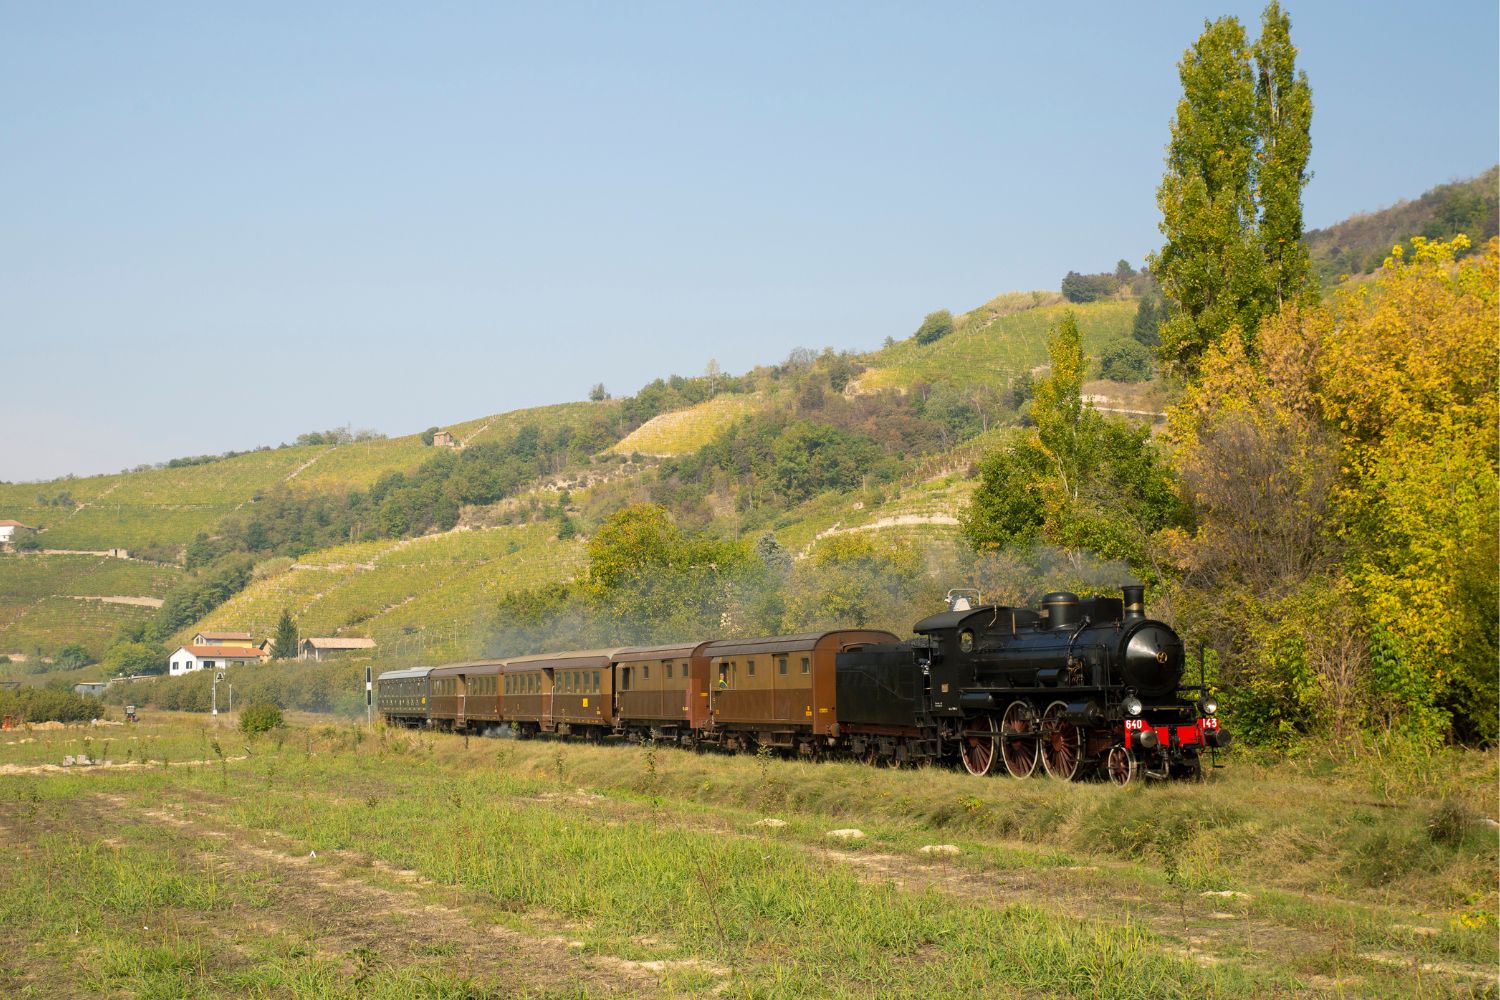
{"x":1231,"y":198}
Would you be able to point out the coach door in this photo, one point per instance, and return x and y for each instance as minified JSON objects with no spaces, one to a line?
{"x":549,"y":681}
{"x":461,"y":697}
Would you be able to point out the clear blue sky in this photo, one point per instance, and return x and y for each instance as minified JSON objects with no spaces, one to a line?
{"x":227,"y":224}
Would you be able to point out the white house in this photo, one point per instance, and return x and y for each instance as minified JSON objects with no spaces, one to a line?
{"x":14,"y":531}
{"x":190,"y":658}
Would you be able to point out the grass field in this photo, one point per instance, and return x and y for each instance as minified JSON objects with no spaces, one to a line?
{"x":331,"y":860}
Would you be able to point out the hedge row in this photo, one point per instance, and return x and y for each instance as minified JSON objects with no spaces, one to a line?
{"x":336,"y":687}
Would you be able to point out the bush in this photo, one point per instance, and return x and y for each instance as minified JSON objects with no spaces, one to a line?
{"x":1125,"y":360}
{"x":48,"y":705}
{"x":262,"y":717}
{"x":935,"y":326}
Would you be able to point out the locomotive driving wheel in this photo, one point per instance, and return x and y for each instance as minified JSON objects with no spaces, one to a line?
{"x":1121,"y":765}
{"x":1062,"y":743}
{"x":1020,"y":752}
{"x":981,"y":740}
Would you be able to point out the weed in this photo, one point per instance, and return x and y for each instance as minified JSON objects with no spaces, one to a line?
{"x":1450,"y":823}
{"x":1171,"y":842}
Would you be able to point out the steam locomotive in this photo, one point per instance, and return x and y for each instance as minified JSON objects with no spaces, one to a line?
{"x":1078,"y":688}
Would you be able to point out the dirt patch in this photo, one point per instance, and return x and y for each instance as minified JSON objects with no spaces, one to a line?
{"x":138,"y":602}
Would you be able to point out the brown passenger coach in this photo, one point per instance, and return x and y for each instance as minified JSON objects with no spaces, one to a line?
{"x":663,"y":691}
{"x":779,"y":692}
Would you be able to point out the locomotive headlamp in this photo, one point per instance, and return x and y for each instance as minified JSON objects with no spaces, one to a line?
{"x":1132,"y":705}
{"x":1208,"y":705}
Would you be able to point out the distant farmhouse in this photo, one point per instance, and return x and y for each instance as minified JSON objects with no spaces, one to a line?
{"x":211,"y":656}
{"x":444,"y":439}
{"x":14,"y":531}
{"x":321,"y":649}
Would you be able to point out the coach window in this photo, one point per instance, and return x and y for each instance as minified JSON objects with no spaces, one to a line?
{"x":781,"y":665}
{"x":805,"y":665}
{"x":669,"y":670}
{"x":596,"y":682}
{"x":624,"y":678}
{"x":723,"y":675}
{"x":750,"y":667}
{"x":646,"y":671}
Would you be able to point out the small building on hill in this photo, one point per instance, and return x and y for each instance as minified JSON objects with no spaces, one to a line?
{"x":210,"y":657}
{"x":241,"y":639}
{"x":14,"y":531}
{"x":321,"y":649}
{"x":444,"y":439}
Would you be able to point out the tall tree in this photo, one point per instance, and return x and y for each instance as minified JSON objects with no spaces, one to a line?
{"x":1231,"y":198}
{"x":1283,"y":120}
{"x":284,"y":644}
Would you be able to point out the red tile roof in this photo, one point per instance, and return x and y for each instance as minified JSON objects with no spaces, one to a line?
{"x":14,"y":524}
{"x":225,"y":635}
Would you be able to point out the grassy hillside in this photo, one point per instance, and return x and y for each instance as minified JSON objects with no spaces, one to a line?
{"x":683,"y":432}
{"x":416,"y":596}
{"x":170,"y":506}
{"x":40,"y":606}
{"x":1359,"y":244}
{"x":988,"y":349}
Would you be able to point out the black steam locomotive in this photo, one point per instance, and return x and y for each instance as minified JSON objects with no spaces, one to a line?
{"x":1081,"y":687}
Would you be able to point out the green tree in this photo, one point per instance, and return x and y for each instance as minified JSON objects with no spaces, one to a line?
{"x":598,"y":393}
{"x":1125,"y":360}
{"x":1148,"y":319}
{"x":1283,"y":123}
{"x":125,"y":659}
{"x":284,"y":644}
{"x":1008,"y":507}
{"x":935,"y":326}
{"x":71,"y":657}
{"x":1232,"y":194}
{"x":1065,"y":428}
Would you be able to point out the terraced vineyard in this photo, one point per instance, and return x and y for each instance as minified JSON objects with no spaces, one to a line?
{"x":39,"y":605}
{"x":157,"y":506}
{"x":988,"y":351}
{"x":410,"y":595}
{"x":683,"y":432}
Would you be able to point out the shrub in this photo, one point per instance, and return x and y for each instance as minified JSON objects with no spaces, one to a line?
{"x":262,"y":717}
{"x":1125,"y":360}
{"x":49,"y":705}
{"x":935,"y":326}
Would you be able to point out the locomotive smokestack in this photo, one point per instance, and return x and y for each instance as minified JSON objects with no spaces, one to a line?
{"x":1135,"y":602}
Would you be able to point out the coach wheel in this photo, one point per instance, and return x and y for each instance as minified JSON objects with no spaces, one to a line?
{"x":981,"y":740}
{"x":1121,"y":766}
{"x":1062,"y":743}
{"x":1020,"y":750}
